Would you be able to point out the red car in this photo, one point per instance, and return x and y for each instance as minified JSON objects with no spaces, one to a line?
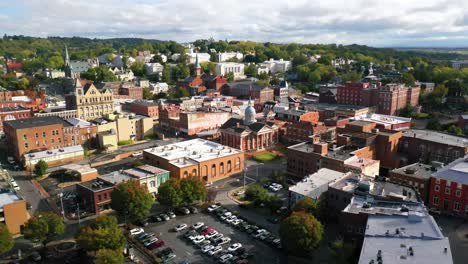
{"x":207,"y":231}
{"x":156,"y":244}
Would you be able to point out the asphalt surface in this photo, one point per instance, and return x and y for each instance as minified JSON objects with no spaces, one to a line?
{"x":187,"y":251}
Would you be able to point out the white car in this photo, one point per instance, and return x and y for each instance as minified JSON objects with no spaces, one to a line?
{"x":180,"y":227}
{"x":215,"y":250}
{"x":15,"y":185}
{"x":207,"y":248}
{"x":151,"y":241}
{"x":198,"y":239}
{"x":213,"y":207}
{"x":231,"y":218}
{"x":225,"y":258}
{"x":211,"y":234}
{"x":198,"y":225}
{"x":259,"y":233}
{"x":11,"y":160}
{"x":224,"y":240}
{"x":136,"y":231}
{"x":234,"y":247}
{"x":136,"y":154}
{"x":275,"y":187}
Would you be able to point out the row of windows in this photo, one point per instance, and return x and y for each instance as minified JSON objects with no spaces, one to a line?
{"x":447,"y":190}
{"x":456,"y":205}
{"x":44,"y":142}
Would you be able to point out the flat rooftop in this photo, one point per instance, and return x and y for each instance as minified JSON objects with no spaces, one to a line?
{"x":437,"y":137}
{"x":145,"y":172}
{"x":396,"y":236}
{"x":358,"y":162}
{"x":415,"y":170}
{"x":52,"y":153}
{"x":315,"y":184}
{"x":82,"y":169}
{"x":374,"y":206}
{"x":116,"y":177}
{"x":383,"y":119}
{"x":457,"y":171}
{"x":35,"y":122}
{"x":97,"y":185}
{"x":191,"y":152}
{"x":8,"y":198}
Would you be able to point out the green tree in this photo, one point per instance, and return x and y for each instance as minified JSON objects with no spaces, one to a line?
{"x":434,"y":124}
{"x":90,"y":74}
{"x":109,"y":256}
{"x":352,"y":76}
{"x":229,"y":76}
{"x":103,"y":74}
{"x":308,"y":205}
{"x":408,"y":79}
{"x":263,"y":76}
{"x":166,"y":74}
{"x":181,"y":93}
{"x":6,"y":240}
{"x":55,"y":62}
{"x":147,"y":93}
{"x":169,"y":193}
{"x":440,"y":91}
{"x":341,"y":252}
{"x":132,"y":199}
{"x":257,"y":194}
{"x":325,"y":59}
{"x":274,"y":203}
{"x":40,"y":168}
{"x":406,"y":111}
{"x":192,"y":189}
{"x":103,"y":233}
{"x":250,"y":70}
{"x":453,"y":129}
{"x":23,"y":83}
{"x":44,"y":227}
{"x":300,"y":233}
{"x":138,"y":68}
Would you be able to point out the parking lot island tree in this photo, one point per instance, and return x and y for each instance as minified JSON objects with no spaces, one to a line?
{"x":192,"y":189}
{"x":6,"y":240}
{"x":44,"y":227}
{"x":300,"y":233}
{"x":169,"y":193}
{"x":342,"y":252}
{"x":257,"y":194}
{"x":109,"y":256}
{"x":132,"y":199}
{"x":103,"y":233}
{"x":40,"y":168}
{"x":308,"y":205}
{"x":176,"y":192}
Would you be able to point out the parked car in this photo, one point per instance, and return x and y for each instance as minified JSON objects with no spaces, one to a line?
{"x":150,"y":241}
{"x":184,"y":210}
{"x":211,"y":234}
{"x":198,"y":239}
{"x":171,"y":214}
{"x":224,"y":240}
{"x":156,"y":218}
{"x":136,"y":231}
{"x":168,"y":257}
{"x":165,"y":217}
{"x":217,"y":237}
{"x":225,"y":258}
{"x":207,"y":248}
{"x":142,"y":236}
{"x":206,"y":231}
{"x":234,"y":247}
{"x":193,"y":209}
{"x":230,"y":219}
{"x":203,"y":243}
{"x":215,"y":250}
{"x":198,"y":225}
{"x":213,"y":207}
{"x":137,"y":154}
{"x":180,"y":227}
{"x":164,"y":252}
{"x":157,"y":244}
{"x":142,"y":223}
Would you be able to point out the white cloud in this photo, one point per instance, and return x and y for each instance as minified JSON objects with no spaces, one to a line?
{"x":379,"y":23}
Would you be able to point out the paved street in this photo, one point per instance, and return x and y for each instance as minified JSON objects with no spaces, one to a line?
{"x":186,"y":251}
{"x":456,"y":230}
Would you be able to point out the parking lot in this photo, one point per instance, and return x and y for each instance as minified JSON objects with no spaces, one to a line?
{"x":184,"y":249}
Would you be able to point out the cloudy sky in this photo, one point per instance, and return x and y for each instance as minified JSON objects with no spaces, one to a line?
{"x":429,"y":23}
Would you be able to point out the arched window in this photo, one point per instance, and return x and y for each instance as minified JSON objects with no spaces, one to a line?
{"x":229,"y":166}
{"x":238,"y":163}
{"x":213,"y":171}
{"x":194,"y":173}
{"x":185,"y":174}
{"x":221,"y":168}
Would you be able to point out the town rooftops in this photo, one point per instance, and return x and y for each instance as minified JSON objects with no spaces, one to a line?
{"x":76,"y":122}
{"x":383,"y":119}
{"x":8,"y":198}
{"x":437,"y":137}
{"x":34,"y":122}
{"x":456,"y":171}
{"x":97,"y":185}
{"x":144,"y":171}
{"x":415,"y":170}
{"x":143,"y":103}
{"x":47,"y":154}
{"x":191,"y":152}
{"x":411,"y":238}
{"x":315,"y":184}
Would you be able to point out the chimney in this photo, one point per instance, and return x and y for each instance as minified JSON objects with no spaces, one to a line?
{"x":314,"y":139}
{"x":321,"y":148}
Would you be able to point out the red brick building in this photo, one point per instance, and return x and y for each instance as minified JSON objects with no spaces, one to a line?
{"x":96,"y":194}
{"x":302,"y":131}
{"x":415,"y":175}
{"x":449,"y":189}
{"x":202,"y":82}
{"x":79,"y":132}
{"x":351,"y":93}
{"x":33,"y":134}
{"x":145,"y":108}
{"x":13,"y":113}
{"x":130,"y":93}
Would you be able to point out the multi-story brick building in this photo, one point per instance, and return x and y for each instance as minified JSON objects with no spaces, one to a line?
{"x":308,"y":157}
{"x":301,"y":131}
{"x":191,"y":123}
{"x":351,"y":93}
{"x":449,"y":188}
{"x":13,"y":113}
{"x":79,"y":132}
{"x":426,"y":146}
{"x":206,"y":160}
{"x":415,"y":175}
{"x":96,"y":194}
{"x":145,"y":108}
{"x":33,"y":134}
{"x":246,"y":89}
{"x":130,"y":92}
{"x":90,"y":102}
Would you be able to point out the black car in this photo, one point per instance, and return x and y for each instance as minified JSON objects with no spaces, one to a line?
{"x":183,"y":211}
{"x":239,"y":251}
{"x":142,"y":223}
{"x":273,"y":220}
{"x":164,"y":252}
{"x":193,"y":209}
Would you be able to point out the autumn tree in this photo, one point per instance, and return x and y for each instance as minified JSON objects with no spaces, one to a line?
{"x":103,"y":233}
{"x":109,"y":256}
{"x":300,"y":233}
{"x":132,"y":199}
{"x":44,"y":227}
{"x":40,"y":168}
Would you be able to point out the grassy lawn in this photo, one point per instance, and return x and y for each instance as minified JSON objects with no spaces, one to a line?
{"x":267,"y":156}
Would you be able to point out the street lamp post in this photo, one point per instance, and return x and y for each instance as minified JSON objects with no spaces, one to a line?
{"x":79,"y":220}
{"x":61,"y":204}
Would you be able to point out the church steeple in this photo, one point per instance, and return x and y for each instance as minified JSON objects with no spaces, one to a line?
{"x":67,"y":58}
{"x":197,"y":66}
